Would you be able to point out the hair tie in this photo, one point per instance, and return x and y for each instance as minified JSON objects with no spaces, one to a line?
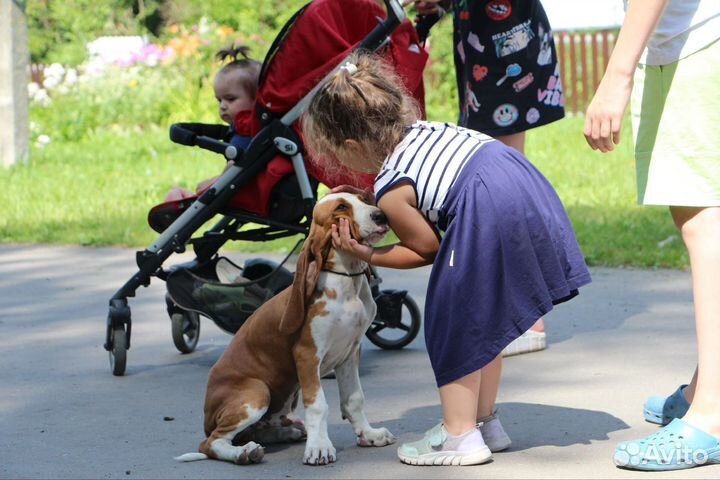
{"x":351,"y":68}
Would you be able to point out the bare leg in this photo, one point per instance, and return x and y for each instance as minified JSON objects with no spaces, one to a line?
{"x":459,"y":403}
{"x":491,"y":374}
{"x":689,"y":391}
{"x":471,"y":397}
{"x":700,"y":228}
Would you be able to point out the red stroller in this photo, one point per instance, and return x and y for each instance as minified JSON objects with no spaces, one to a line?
{"x":270,"y":185}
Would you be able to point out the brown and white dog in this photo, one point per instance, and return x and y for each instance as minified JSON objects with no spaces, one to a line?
{"x":311,"y":328}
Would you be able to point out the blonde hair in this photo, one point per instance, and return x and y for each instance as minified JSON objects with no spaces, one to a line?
{"x":370,"y":106}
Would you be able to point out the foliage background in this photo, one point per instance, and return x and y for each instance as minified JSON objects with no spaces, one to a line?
{"x":60,"y":29}
{"x":101,"y":157}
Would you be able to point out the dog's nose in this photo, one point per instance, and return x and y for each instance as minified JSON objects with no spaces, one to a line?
{"x":379,"y":218}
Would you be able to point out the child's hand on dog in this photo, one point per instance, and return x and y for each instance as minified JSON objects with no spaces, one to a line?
{"x":342,"y":240}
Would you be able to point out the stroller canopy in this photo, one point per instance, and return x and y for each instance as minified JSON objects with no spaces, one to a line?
{"x":314,"y":42}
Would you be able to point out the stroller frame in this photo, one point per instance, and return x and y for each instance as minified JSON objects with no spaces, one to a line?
{"x":275,"y":137}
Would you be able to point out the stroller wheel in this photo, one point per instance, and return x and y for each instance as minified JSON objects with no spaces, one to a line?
{"x":118,"y":352}
{"x":185,"y":330}
{"x":397,"y":321}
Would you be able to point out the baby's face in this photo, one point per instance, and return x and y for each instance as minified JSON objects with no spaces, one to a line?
{"x":231,"y":96}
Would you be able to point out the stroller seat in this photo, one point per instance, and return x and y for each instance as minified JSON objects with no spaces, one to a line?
{"x":275,"y":194}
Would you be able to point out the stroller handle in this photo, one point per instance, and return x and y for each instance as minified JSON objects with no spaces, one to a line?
{"x":203,"y":136}
{"x":395,"y":16}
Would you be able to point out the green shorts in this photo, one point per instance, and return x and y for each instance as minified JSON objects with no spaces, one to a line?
{"x":676,"y":126}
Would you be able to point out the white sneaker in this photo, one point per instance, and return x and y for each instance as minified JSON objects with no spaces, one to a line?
{"x":437,"y":447}
{"x":530,"y":341}
{"x":493,"y":433}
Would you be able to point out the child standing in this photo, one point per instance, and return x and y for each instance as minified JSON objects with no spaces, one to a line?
{"x":235,"y":89}
{"x":508,"y":253}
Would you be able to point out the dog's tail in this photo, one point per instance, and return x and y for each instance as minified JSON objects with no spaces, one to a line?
{"x":191,"y":457}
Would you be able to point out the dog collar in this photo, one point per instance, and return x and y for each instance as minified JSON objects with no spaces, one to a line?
{"x":344,"y":274}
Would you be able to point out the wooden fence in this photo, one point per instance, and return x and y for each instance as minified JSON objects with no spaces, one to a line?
{"x":583,"y":57}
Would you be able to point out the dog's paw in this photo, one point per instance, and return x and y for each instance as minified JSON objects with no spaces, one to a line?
{"x":292,"y":428}
{"x":319,"y":453}
{"x":250,"y":453}
{"x":375,"y":437}
{"x":294,"y":434}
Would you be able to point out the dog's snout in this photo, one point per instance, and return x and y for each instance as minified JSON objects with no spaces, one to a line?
{"x":379,"y":218}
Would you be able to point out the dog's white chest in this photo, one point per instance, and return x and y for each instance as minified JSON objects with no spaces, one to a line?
{"x":348,"y":311}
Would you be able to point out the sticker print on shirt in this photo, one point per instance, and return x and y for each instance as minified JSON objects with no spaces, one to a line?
{"x":512,"y":70}
{"x":523,"y":83}
{"x":498,"y":10}
{"x":532,"y":116}
{"x":553,"y":94}
{"x":513,"y":40}
{"x":545,"y":53}
{"x":474,"y":41}
{"x":464,"y":14}
{"x":479,"y":72}
{"x":471,"y":101}
{"x":461,"y":51}
{"x":506,"y":114}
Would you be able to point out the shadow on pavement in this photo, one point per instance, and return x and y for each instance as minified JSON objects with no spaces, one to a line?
{"x":531,"y":425}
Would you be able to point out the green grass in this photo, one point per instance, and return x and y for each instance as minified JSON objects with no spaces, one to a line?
{"x":599,"y":192}
{"x":98,"y":190}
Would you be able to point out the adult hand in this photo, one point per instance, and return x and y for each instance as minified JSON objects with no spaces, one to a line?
{"x":366,"y":196}
{"x":343,"y":241}
{"x":604,"y":116}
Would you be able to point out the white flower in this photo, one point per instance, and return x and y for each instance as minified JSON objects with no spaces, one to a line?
{"x":54,"y":70}
{"x":71,"y":77}
{"x":204,"y":25}
{"x":43,"y":140}
{"x":151,"y":60}
{"x":33,"y":88}
{"x":41,"y":97}
{"x":53,"y":75}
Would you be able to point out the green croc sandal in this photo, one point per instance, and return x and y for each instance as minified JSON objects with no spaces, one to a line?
{"x":436,"y":449}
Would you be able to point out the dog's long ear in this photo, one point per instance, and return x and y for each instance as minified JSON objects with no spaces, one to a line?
{"x":307,"y":273}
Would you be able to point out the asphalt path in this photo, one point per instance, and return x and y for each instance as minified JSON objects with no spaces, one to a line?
{"x":64,"y":415}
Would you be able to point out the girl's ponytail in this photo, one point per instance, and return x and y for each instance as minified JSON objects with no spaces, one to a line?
{"x":364,"y":101}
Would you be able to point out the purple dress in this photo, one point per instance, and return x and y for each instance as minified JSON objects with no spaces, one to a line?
{"x":508,"y":253}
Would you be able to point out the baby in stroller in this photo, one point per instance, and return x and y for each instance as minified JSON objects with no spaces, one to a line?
{"x":268,"y":190}
{"x":235,"y":88}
